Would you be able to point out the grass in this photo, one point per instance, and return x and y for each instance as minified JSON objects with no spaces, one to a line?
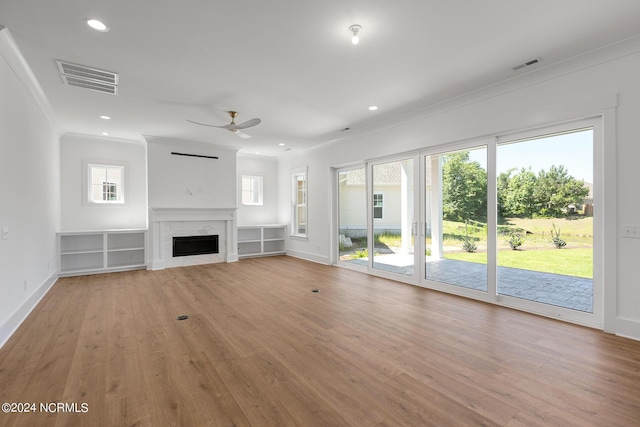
{"x":537,"y":253}
{"x":571,"y":262}
{"x":573,"y":226}
{"x":388,"y":239}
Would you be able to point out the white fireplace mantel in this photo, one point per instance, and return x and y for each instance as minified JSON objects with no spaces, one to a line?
{"x":165,"y":223}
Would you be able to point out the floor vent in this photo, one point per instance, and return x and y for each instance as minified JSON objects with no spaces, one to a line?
{"x":88,"y":78}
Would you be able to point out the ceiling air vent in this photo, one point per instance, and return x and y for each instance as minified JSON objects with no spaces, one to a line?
{"x":88,"y":78}
{"x":527,"y":64}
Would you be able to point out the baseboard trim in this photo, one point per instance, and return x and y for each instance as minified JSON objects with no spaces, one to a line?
{"x":628,"y":328}
{"x":308,"y":256}
{"x":8,"y":328}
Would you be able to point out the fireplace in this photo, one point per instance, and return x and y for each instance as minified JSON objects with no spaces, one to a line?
{"x":195,"y":245}
{"x":199,"y":225}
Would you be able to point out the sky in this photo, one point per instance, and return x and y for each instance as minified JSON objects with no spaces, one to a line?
{"x":574,"y":151}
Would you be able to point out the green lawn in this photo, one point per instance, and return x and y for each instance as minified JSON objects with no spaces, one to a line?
{"x":571,"y":262}
{"x":537,"y":253}
{"x":571,"y":226}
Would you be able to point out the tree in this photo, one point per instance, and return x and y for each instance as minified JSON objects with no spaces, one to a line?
{"x":464,"y":188}
{"x":515,"y":193}
{"x":555,"y":190}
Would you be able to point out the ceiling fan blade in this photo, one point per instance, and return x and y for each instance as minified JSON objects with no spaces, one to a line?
{"x":240,"y":134}
{"x":212,"y":126}
{"x":247,"y":124}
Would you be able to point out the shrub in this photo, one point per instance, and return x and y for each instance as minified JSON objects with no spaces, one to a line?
{"x":468,"y":243}
{"x":515,"y":240}
{"x":364,"y":253}
{"x":555,"y":237}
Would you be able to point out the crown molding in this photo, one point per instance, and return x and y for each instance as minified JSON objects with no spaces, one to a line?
{"x":10,"y":52}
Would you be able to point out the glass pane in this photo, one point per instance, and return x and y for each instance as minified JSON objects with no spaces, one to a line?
{"x":456,"y":218}
{"x":300,"y":207}
{"x":246,"y":190}
{"x":301,"y":225}
{"x":251,"y":190}
{"x":98,"y":174}
{"x":393,"y":228}
{"x":106,"y":183}
{"x":545,"y":219}
{"x":114,"y":175}
{"x":352,"y":217}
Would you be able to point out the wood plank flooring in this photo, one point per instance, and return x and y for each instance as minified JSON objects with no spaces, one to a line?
{"x":260,"y":349}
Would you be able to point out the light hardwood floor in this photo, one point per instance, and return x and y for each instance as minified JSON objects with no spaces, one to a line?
{"x":261,"y":349}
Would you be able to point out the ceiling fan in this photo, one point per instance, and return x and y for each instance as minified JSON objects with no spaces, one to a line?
{"x":233,"y":127}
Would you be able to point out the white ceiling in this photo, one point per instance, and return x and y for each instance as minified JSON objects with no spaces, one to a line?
{"x":291,"y":62}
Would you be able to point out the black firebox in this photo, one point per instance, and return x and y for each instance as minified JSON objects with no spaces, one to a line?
{"x":195,"y":245}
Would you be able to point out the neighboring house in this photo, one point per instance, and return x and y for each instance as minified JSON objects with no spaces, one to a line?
{"x":386,"y":204}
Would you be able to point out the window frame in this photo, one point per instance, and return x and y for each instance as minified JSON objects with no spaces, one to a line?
{"x":380,"y":207}
{"x":252,"y":191}
{"x":87,"y":166}
{"x":296,"y":205}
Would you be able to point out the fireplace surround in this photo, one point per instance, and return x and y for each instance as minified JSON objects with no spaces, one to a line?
{"x":167,"y":223}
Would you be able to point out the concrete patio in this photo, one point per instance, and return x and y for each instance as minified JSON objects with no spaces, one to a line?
{"x":575,"y":293}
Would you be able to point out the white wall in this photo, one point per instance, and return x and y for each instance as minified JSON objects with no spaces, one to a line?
{"x":190,"y":182}
{"x":318,"y":161}
{"x":76,"y":213}
{"x":29,"y":190}
{"x":267,"y":168}
{"x":584,"y":86}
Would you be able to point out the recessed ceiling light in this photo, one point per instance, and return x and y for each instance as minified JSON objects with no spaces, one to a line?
{"x":105,"y":117}
{"x":281,"y":144}
{"x":105,"y":133}
{"x":373,"y":108}
{"x":97,"y":25}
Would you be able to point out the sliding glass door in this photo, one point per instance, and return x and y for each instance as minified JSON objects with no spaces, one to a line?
{"x":545,"y":229}
{"x":455,"y":213}
{"x":392,"y":219}
{"x":511,"y":218}
{"x":352,"y":239}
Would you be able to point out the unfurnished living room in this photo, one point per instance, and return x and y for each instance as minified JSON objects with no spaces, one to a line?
{"x":334,"y":213}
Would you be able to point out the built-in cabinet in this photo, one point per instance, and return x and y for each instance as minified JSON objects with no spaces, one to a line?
{"x":261,"y":240}
{"x":88,"y":252}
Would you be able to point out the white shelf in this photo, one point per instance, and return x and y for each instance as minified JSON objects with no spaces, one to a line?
{"x":261,"y":240}
{"x":90,"y":252}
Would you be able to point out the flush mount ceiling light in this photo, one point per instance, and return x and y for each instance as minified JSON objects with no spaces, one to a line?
{"x":97,"y":25}
{"x":355,"y":30}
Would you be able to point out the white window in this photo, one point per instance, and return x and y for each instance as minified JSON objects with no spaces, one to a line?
{"x":251,"y":190}
{"x":299,"y":203}
{"x":105,"y":183}
{"x":378,"y":203}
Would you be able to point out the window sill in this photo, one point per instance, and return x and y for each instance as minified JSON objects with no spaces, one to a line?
{"x":104,"y":205}
{"x":298,"y":237}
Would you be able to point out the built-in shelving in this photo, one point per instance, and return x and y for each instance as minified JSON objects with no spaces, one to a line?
{"x":261,"y":240}
{"x":90,"y":252}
